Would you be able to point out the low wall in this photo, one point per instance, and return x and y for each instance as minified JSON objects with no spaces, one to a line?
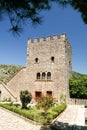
{"x":77,"y":101}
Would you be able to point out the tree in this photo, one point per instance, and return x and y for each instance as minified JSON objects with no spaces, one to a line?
{"x":21,"y":11}
{"x":78,"y":87}
{"x":25,"y":98}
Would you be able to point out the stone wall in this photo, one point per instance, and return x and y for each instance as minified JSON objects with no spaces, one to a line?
{"x":5,"y":94}
{"x":76,"y":101}
{"x":43,"y":50}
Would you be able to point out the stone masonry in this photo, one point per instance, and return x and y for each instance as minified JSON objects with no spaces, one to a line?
{"x":49,"y":66}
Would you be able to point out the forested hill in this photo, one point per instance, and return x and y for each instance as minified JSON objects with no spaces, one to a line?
{"x":8,"y":71}
{"x":77,"y":75}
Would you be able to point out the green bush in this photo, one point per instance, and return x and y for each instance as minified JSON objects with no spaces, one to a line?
{"x":25,"y":97}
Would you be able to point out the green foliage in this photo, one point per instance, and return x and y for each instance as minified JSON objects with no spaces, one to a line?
{"x":25,"y":98}
{"x":62,"y":98}
{"x":8,"y":71}
{"x":78,"y":86}
{"x":36,"y":114}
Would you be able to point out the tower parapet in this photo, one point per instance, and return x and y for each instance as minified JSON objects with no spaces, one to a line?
{"x":48,"y":38}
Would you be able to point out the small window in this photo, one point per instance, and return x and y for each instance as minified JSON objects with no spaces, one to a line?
{"x":49,"y":93}
{"x":43,"y":75}
{"x":69,"y":62}
{"x":38,"y":94}
{"x":48,"y":75}
{"x":52,"y":59}
{"x":38,"y":76}
{"x":36,"y":60}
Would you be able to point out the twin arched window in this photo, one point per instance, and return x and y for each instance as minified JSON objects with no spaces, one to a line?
{"x":43,"y":75}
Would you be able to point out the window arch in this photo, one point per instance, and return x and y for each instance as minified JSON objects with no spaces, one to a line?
{"x":38,"y":76}
{"x":49,"y":75}
{"x":43,"y":75}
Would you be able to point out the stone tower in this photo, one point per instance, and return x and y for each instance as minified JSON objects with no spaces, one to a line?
{"x":49,"y":66}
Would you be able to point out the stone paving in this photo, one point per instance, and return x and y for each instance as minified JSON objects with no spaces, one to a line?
{"x":9,"y":121}
{"x":73,"y":115}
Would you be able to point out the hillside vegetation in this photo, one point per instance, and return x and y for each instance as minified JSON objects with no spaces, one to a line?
{"x":77,"y":75}
{"x":7,"y":72}
{"x":78,"y":85}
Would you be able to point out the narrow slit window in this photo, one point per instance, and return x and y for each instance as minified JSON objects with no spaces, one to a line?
{"x":36,"y":60}
{"x":52,"y":59}
{"x":0,"y":94}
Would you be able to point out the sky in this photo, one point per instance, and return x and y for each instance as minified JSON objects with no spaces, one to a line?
{"x":13,"y":49}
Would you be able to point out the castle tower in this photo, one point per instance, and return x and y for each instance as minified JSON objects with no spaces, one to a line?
{"x":49,"y":66}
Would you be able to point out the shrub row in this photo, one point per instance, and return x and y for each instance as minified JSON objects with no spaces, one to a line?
{"x":36,"y":115}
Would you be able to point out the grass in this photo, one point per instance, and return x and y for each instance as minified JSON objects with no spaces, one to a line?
{"x":36,"y":114}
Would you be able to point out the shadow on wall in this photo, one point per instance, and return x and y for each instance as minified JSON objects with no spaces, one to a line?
{"x":62,"y":126}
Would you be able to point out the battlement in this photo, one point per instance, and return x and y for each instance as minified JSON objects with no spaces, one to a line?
{"x":48,"y":38}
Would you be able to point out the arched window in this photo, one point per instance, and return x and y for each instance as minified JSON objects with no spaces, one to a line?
{"x":36,"y":60}
{"x":48,"y":75}
{"x":52,"y":59}
{"x":38,"y":76}
{"x":43,"y":75}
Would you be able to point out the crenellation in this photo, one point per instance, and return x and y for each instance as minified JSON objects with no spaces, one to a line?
{"x":30,"y":40}
{"x":42,"y":39}
{"x":48,"y":38}
{"x":55,"y":37}
{"x":63,"y":36}
{"x":36,"y":40}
